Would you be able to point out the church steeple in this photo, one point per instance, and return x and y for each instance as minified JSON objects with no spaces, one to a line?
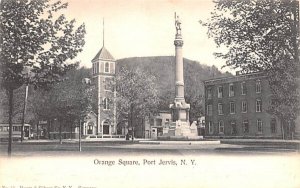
{"x":103,"y":33}
{"x":103,"y":54}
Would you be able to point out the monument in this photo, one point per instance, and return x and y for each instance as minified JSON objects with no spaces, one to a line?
{"x":180,"y":125}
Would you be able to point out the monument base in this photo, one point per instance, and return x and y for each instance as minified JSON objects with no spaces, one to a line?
{"x":179,"y":138}
{"x":181,"y":130}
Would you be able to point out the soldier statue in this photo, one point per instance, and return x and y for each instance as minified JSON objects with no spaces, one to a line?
{"x":177,"y":25}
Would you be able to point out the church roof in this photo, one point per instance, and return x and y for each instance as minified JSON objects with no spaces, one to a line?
{"x":103,"y":54}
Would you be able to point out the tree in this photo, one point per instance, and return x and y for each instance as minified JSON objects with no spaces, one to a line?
{"x":137,"y":94}
{"x":66,"y":101}
{"x":262,"y":36}
{"x":36,"y":43}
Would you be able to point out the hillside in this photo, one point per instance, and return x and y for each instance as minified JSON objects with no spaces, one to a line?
{"x":163,"y":67}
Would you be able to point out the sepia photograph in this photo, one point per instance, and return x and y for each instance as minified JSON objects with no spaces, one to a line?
{"x":149,"y":93}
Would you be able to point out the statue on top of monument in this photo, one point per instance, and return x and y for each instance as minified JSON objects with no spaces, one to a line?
{"x":177,"y":24}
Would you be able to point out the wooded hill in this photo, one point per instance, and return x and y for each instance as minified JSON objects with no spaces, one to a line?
{"x":163,"y":67}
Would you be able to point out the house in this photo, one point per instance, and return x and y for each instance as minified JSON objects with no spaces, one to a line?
{"x":154,"y":124}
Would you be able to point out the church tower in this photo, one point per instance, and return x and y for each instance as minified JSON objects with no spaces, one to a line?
{"x":103,"y":73}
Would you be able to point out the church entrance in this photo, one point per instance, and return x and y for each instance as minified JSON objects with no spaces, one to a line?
{"x":106,"y":126}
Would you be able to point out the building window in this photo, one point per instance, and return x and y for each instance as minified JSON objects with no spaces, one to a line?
{"x":246,"y":126}
{"x":97,"y":67}
{"x":106,"y":104}
{"x":209,"y":93}
{"x":231,"y":90}
{"x":258,"y":86}
{"x":232,"y":108}
{"x":273,"y":126}
{"x":220,"y":109}
{"x":106,"y":67}
{"x":258,"y":105}
{"x":167,"y":122}
{"x":233,"y":128}
{"x":158,"y":122}
{"x":221,"y":127}
{"x":259,"y":124}
{"x":244,"y":106}
{"x":107,"y":84}
{"x":210,"y":128}
{"x":220,"y":92}
{"x":209,"y":110}
{"x":151,"y":121}
{"x":243,"y":88}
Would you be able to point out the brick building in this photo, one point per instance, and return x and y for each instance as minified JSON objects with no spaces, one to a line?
{"x":103,"y":71}
{"x":237,"y":106}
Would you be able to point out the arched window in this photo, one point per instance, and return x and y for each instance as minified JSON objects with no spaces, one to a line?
{"x":106,"y":104}
{"x":106,"y":67}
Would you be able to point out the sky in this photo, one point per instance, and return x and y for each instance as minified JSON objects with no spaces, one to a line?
{"x":135,"y":28}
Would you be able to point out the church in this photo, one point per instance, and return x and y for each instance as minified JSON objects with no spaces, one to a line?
{"x":103,"y":74}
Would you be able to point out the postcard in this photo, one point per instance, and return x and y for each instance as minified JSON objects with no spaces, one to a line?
{"x":163,"y":93}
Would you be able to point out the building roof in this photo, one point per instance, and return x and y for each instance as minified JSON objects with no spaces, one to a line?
{"x":236,"y":78}
{"x":103,"y":54}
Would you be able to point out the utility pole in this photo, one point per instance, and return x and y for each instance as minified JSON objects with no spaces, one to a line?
{"x":24,"y":113}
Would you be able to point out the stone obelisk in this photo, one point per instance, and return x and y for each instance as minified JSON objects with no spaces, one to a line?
{"x":180,"y":126}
